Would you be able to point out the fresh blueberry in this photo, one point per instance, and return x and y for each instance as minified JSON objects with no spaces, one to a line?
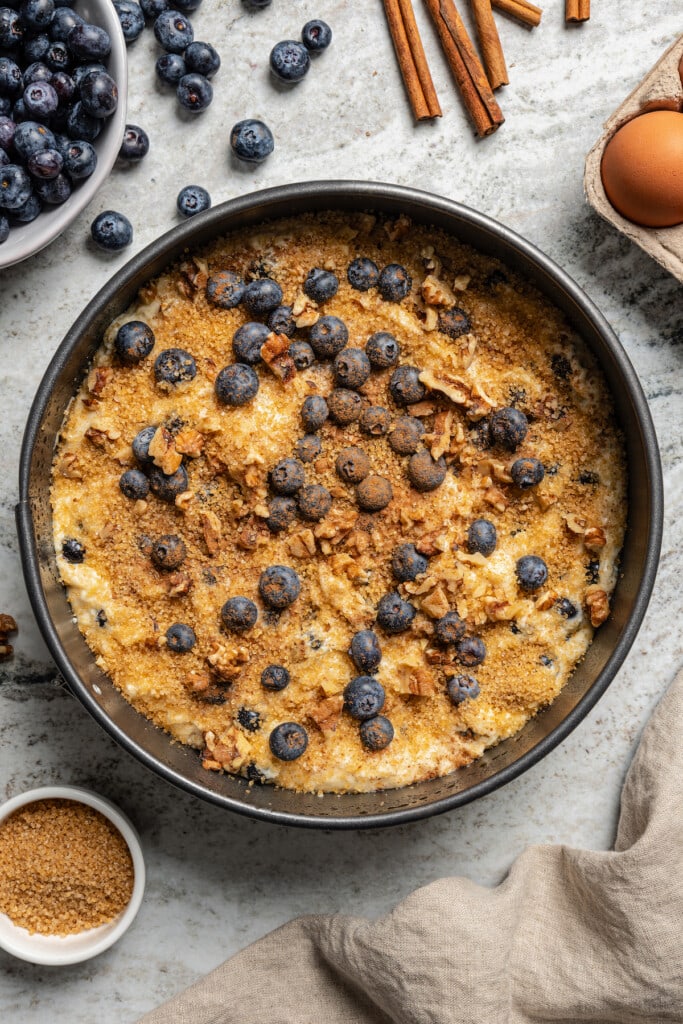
{"x":254,"y":774}
{"x":289,"y":61}
{"x":239,"y":614}
{"x":281,"y":321}
{"x":279,"y":586}
{"x":29,"y":211}
{"x":131,"y":18}
{"x":180,"y":638}
{"x":80,"y":160}
{"x":15,"y":187}
{"x":174,"y":366}
{"x":374,"y":493}
{"x":314,"y":412}
{"x":275,"y":677}
{"x":187,"y":6}
{"x":7,"y":129}
{"x":262,"y":296}
{"x":41,"y":99}
{"x":405,"y":385}
{"x":64,"y":86}
{"x":36,"y":47}
{"x":73,"y":551}
{"x":58,"y":56}
{"x":527,"y":473}
{"x":4,"y":229}
{"x":4,"y":159}
{"x":352,"y":465}
{"x":321,"y":285}
{"x":30,"y":138}
{"x":248,"y":341}
{"x":394,"y":282}
{"x":64,"y":19}
{"x":394,"y":615}
{"x":508,"y":427}
{"x":426,"y":473}
{"x":365,"y":651}
{"x":328,"y":336}
{"x":308,"y":448}
{"x":192,"y":199}
{"x":36,"y":72}
{"x":249,"y":720}
{"x":99,"y":94}
{"x":141,"y":443}
{"x":11,"y":31}
{"x":376,"y":733}
{"x":11,"y":78}
{"x":82,"y":70}
{"x":362,"y":274}
{"x":257,"y":4}
{"x":53,"y":191}
{"x":375,"y":420}
{"x":202,"y":58}
{"x":406,"y":435}
{"x":153,"y":8}
{"x":288,"y":741}
{"x":351,"y":368}
{"x":134,"y":341}
{"x":314,"y":502}
{"x":37,"y":14}
{"x":19,"y":112}
{"x":225,"y":289}
{"x":287,"y":477}
{"x":134,"y":484}
{"x":236,"y":384}
{"x":170,"y":68}
{"x":407,"y":563}
{"x":82,"y":125}
{"x":88,"y":42}
{"x":251,"y":141}
{"x":566,"y":608}
{"x":532,"y":572}
{"x":169,"y":552}
{"x":316,"y":35}
{"x":173,"y":31}
{"x":301,"y":352}
{"x":462,"y":688}
{"x":449,"y":629}
{"x":363,"y":697}
{"x":382,"y":350}
{"x":281,"y":513}
{"x":345,"y":406}
{"x":471,"y":651}
{"x":482,"y":538}
{"x":454,"y":322}
{"x":46,"y":164}
{"x":167,"y":487}
{"x":135,"y":144}
{"x":194,"y":92}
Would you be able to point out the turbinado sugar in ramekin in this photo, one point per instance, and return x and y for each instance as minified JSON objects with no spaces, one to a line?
{"x":64,"y":868}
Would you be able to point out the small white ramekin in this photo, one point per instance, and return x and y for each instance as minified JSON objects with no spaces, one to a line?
{"x":57,"y":950}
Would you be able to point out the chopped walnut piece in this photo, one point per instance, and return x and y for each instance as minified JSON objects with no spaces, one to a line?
{"x":576,"y":524}
{"x":414,"y":676}
{"x":423,"y":408}
{"x":213,"y":532}
{"x":436,"y":293}
{"x":430,"y":542}
{"x":326,"y":712}
{"x":357,"y":541}
{"x":302,"y":544}
{"x":69,"y":466}
{"x":597,"y":603}
{"x":594,"y":538}
{"x":398,"y":228}
{"x":231,"y":749}
{"x":197,"y":682}
{"x":461,"y":282}
{"x":100,"y":435}
{"x":7,"y":624}
{"x":546,"y":600}
{"x":227,"y":659}
{"x":193,"y":277}
{"x":184,"y":500}
{"x":189,"y":442}
{"x":452,"y":387}
{"x":436,"y":604}
{"x":274,"y":354}
{"x":443,"y":427}
{"x":495,"y":469}
{"x":307,"y":319}
{"x":178,"y":584}
{"x":6,"y":650}
{"x":431,"y":320}
{"x":498,"y":610}
{"x":98,"y":378}
{"x":495,"y":497}
{"x":163,"y":452}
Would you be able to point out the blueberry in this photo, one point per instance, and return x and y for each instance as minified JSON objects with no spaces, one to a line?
{"x":239,"y":614}
{"x":134,"y":341}
{"x":482,"y":538}
{"x":362,"y":274}
{"x":111,"y":231}
{"x":36,"y":72}
{"x":7,"y":129}
{"x":88,"y":42}
{"x":375,"y":420}
{"x":316,"y":35}
{"x":407,"y":563}
{"x":134,"y":484}
{"x":236,"y":384}
{"x":180,"y":638}
{"x":394,"y":282}
{"x":363,"y":697}
{"x":262,"y":296}
{"x":54,"y":191}
{"x":287,"y":477}
{"x":37,"y":14}
{"x":532,"y":572}
{"x":170,"y":68}
{"x":314,"y":502}
{"x":308,"y":448}
{"x":4,"y":229}
{"x":406,"y":435}
{"x":301,"y":352}
{"x":426,"y":473}
{"x":73,"y":551}
{"x":376,"y":733}
{"x":382,"y":350}
{"x":225,"y":289}
{"x":281,"y":513}
{"x":462,"y":688}
{"x":352,"y":465}
{"x":29,"y":211}
{"x":192,"y":199}
{"x":15,"y":187}
{"x":11,"y":31}
{"x":36,"y":47}
{"x":248,"y":340}
{"x":258,"y":4}
{"x":394,"y":615}
{"x":351,"y":368}
{"x":449,"y":629}
{"x":374,"y":493}
{"x":275,"y":677}
{"x":141,"y":443}
{"x":527,"y":473}
{"x":41,"y":99}
{"x":153,"y":8}
{"x":82,"y":70}
{"x":281,"y":321}
{"x":566,"y":608}
{"x":288,"y":741}
{"x":254,"y":774}
{"x":405,"y":385}
{"x":321,"y":285}
{"x":11,"y":78}
{"x":30,"y":138}
{"x":289,"y":61}
{"x":188,"y":5}
{"x":328,"y":336}
{"x":344,"y":405}
{"x":279,"y":586}
{"x":173,"y":31}
{"x":64,"y":86}
{"x":454,"y":322}
{"x":251,"y":141}
{"x":58,"y":57}
{"x":19,"y":112}
{"x":194,"y":92}
{"x":471,"y":651}
{"x":174,"y":366}
{"x":169,"y":552}
{"x":508,"y":427}
{"x":202,"y":58}
{"x":365,"y":651}
{"x":167,"y":487}
{"x":314,"y":412}
{"x":4,"y":159}
{"x":131,"y":18}
{"x":135,"y":145}
{"x":45,"y":165}
{"x":249,"y":720}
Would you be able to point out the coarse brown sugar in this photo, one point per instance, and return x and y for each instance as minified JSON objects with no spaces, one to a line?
{"x":64,"y":868}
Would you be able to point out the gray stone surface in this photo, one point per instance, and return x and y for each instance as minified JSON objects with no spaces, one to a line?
{"x":217,"y":881}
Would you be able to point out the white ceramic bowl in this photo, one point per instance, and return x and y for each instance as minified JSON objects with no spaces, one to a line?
{"x":27,"y":239}
{"x":56,"y":950}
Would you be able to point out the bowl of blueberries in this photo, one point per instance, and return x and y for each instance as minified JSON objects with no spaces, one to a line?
{"x":62,"y":115}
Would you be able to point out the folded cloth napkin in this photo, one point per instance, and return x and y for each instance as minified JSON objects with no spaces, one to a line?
{"x":569,"y":936}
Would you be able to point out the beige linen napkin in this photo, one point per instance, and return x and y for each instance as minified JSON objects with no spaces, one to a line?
{"x":569,"y":936}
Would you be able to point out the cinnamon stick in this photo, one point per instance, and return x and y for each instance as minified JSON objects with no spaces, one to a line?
{"x":489,"y":43}
{"x":577,"y":10}
{"x":411,"y":59}
{"x":521,"y":10}
{"x":480,"y":102}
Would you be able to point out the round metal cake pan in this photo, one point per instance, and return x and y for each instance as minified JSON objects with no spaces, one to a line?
{"x":180,"y":765}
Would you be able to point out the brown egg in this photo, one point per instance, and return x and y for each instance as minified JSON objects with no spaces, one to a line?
{"x":642,"y":169}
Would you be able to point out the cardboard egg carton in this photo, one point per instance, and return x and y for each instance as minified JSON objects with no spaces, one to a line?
{"x":661,"y":84}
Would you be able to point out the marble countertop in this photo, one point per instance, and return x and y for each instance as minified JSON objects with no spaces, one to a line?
{"x":218,"y":881}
